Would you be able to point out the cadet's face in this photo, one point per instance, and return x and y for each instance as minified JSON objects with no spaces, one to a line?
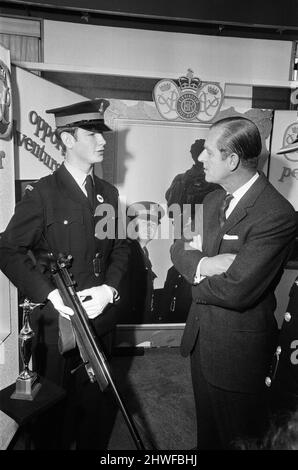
{"x":216,"y":169}
{"x":89,"y":146}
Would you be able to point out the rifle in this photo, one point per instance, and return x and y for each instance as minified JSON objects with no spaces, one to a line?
{"x":91,"y":352}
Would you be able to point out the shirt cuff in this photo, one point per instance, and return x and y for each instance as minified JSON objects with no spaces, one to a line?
{"x":198,"y":278}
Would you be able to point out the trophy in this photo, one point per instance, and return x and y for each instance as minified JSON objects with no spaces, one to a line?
{"x":27,"y":384}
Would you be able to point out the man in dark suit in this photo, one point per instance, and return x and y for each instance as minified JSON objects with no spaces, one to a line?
{"x":59,"y":214}
{"x":231,"y":329}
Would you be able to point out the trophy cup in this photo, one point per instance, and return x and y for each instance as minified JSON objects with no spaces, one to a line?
{"x":27,"y":384}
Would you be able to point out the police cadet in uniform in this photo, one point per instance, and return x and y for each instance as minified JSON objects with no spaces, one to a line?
{"x":138,"y":299}
{"x":57,"y":215}
{"x":282,"y":379}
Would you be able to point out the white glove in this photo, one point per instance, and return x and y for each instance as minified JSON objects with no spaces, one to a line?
{"x":58,"y":304}
{"x":196,"y":243}
{"x":101,"y":296}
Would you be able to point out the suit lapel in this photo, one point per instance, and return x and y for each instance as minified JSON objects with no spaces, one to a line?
{"x":240,"y":211}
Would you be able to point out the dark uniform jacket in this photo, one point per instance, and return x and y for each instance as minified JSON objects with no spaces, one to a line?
{"x":55,"y":216}
{"x":189,"y":188}
{"x":284,"y":367}
{"x":137,"y":299}
{"x":233,"y":313}
{"x":175,"y":298}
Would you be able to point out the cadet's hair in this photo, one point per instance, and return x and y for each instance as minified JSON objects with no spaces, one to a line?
{"x":240,"y":136}
{"x":70,"y":129}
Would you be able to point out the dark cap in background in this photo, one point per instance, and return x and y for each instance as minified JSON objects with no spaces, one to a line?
{"x":148,"y":210}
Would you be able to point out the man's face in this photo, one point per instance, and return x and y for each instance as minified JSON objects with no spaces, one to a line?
{"x":89,"y":146}
{"x":216,"y":169}
{"x":146,"y":228}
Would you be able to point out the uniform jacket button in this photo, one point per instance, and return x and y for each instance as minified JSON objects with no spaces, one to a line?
{"x":65,"y":222}
{"x":288,"y":316}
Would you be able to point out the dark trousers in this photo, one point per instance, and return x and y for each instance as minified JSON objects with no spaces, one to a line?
{"x":225,"y":416}
{"x":85,"y":419}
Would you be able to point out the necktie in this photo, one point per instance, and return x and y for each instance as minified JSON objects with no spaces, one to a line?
{"x":224,"y":208}
{"x":90,"y":190}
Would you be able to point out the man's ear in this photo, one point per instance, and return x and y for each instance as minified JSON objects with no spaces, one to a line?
{"x":67,"y":139}
{"x":234,"y":161}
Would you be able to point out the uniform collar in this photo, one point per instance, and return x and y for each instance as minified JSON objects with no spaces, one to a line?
{"x":78,"y":175}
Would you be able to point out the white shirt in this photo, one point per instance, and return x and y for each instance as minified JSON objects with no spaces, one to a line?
{"x":78,"y":175}
{"x":237,"y":195}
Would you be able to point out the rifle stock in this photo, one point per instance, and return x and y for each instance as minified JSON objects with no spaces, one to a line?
{"x":90,"y":350}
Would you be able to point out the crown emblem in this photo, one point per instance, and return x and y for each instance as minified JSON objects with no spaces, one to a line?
{"x":188,"y":98}
{"x":213,"y":90}
{"x":165,"y":87}
{"x":189,"y":82}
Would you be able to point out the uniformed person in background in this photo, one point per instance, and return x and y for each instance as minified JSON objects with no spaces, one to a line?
{"x":186,"y":188}
{"x":283,"y":376}
{"x":57,"y":215}
{"x":137,"y":300}
{"x":190,"y":187}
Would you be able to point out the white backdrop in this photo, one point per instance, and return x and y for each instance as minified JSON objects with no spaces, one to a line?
{"x":283,"y":169}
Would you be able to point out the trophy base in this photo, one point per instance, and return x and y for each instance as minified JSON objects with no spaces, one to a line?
{"x":26,"y":389}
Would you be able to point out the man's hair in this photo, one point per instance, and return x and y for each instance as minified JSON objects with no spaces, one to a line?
{"x":240,"y":136}
{"x":70,"y":129}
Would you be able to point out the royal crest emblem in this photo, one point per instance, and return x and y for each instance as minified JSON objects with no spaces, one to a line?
{"x":5,"y":103}
{"x":290,"y":135}
{"x":188,"y":99}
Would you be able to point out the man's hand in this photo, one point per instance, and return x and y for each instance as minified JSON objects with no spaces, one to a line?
{"x":100,"y":297}
{"x":58,"y":304}
{"x":216,"y":264}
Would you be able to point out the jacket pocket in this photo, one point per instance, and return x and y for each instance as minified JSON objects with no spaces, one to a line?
{"x":65,"y":230}
{"x":64,"y":217}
